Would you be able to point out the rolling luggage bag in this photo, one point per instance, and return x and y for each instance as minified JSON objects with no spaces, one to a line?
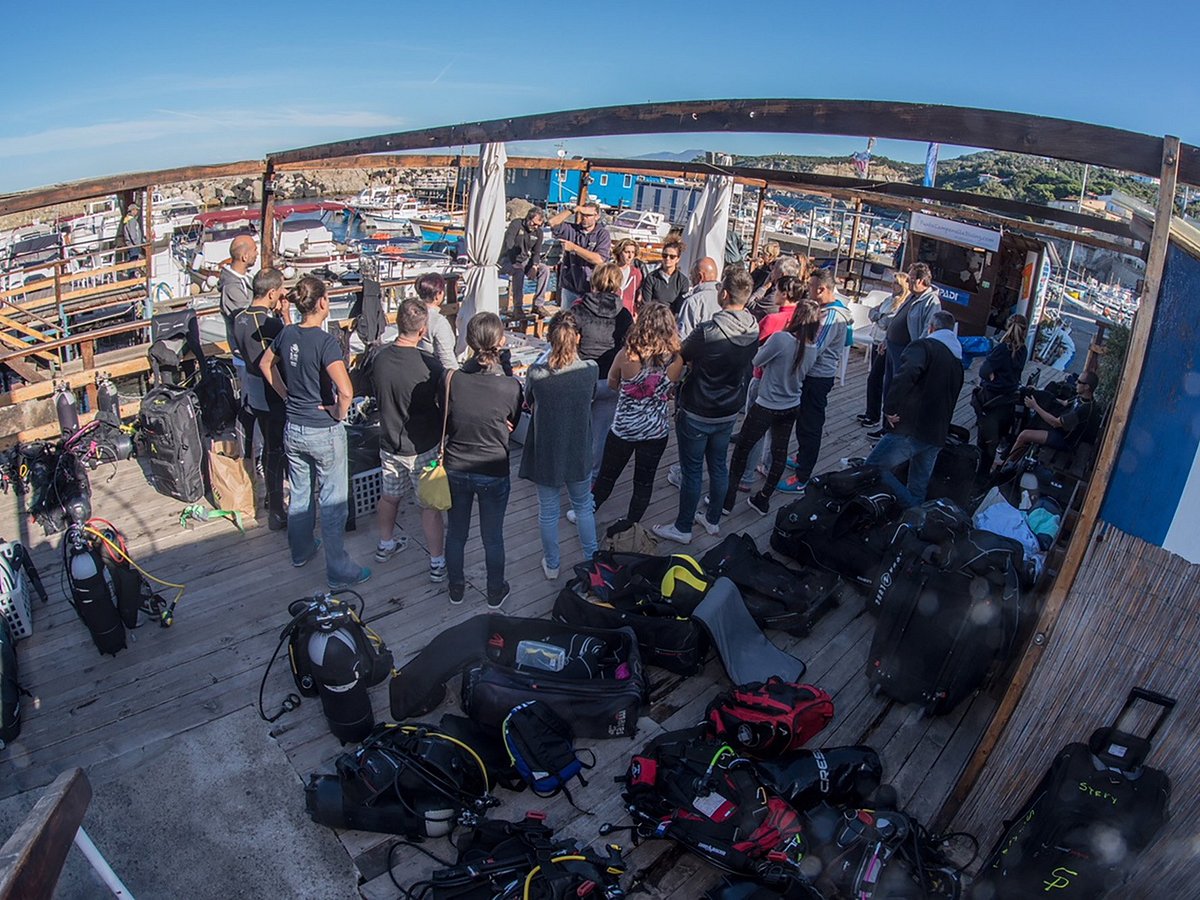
{"x":591,"y":677}
{"x":1097,"y":805}
{"x":170,"y":435}
{"x":941,"y":631}
{"x":777,"y":596}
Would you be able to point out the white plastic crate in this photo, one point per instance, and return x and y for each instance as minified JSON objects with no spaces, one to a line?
{"x":14,"y":599}
{"x":365,"y":490}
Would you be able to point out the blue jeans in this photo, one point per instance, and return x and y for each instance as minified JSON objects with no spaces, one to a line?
{"x":701,"y":443}
{"x":891,"y":451}
{"x":317,"y":468}
{"x":580,"y":493}
{"x":492,"y":492}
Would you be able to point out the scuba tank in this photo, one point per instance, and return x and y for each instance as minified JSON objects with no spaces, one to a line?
{"x":92,"y":593}
{"x":107,"y":398}
{"x":66,"y":409}
{"x":334,"y":656}
{"x":129,"y":588}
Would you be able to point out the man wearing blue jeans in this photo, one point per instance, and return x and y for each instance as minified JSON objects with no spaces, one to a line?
{"x":919,"y":406}
{"x":718,"y":353}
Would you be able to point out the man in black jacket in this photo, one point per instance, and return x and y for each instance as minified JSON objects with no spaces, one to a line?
{"x":919,"y":406}
{"x":521,"y":258}
{"x":718,"y":353}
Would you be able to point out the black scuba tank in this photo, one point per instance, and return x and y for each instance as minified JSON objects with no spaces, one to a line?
{"x":92,"y":592}
{"x":107,"y":398}
{"x":66,"y":409}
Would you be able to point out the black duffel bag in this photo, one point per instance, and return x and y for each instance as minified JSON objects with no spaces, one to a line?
{"x":618,"y":590}
{"x":777,"y":596}
{"x":592,"y":677}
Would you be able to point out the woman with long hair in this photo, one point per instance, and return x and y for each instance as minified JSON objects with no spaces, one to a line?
{"x":558,"y":448}
{"x":784,"y":360}
{"x":641,"y":376}
{"x":484,"y":406}
{"x":995,"y":399}
{"x":305,"y":366}
{"x":881,"y":317}
{"x":624,"y":254}
{"x":603,"y":322}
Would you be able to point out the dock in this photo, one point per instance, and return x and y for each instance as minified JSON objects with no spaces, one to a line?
{"x":173,"y":689}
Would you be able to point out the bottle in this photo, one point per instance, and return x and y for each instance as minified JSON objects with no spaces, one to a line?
{"x":65,"y":407}
{"x":107,"y":398}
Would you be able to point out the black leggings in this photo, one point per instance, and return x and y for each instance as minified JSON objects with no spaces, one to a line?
{"x":758,"y":422}
{"x":646,"y":456}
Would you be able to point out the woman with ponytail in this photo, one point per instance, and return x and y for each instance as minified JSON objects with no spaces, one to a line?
{"x":484,"y":407}
{"x":305,"y":366}
{"x":558,"y":448}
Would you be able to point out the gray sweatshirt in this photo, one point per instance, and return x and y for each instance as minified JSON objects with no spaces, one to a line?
{"x":781,"y":381}
{"x":699,"y":305}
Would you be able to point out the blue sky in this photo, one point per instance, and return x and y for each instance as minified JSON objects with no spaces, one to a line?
{"x":94,"y":89}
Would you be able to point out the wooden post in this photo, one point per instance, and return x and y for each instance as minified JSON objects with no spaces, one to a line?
{"x":853,"y":242}
{"x":1097,"y":487}
{"x":267,"y":230}
{"x":88,"y":351}
{"x":758,"y":217}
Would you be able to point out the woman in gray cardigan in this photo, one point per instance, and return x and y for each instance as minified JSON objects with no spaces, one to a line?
{"x":558,"y":448}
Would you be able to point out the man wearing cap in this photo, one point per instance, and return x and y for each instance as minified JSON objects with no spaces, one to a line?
{"x":1064,"y":427}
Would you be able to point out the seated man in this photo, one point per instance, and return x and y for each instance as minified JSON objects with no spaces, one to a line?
{"x":1064,"y":428}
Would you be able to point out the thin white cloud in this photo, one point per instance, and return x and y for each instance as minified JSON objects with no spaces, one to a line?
{"x":176,"y":124}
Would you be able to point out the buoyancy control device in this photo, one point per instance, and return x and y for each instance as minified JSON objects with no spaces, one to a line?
{"x":334,"y":656}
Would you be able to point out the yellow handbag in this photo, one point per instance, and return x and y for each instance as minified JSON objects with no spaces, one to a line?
{"x":433,"y":487}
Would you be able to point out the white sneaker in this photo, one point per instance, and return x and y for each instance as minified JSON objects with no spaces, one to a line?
{"x":713,"y":530}
{"x":571,"y":516}
{"x":669,"y":532}
{"x":675,"y":476}
{"x":551,"y":574}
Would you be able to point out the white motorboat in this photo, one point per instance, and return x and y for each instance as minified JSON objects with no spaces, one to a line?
{"x":643,"y":226}
{"x":306,"y":244}
{"x":171,"y":213}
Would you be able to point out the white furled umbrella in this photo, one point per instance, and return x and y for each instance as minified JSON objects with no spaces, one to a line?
{"x":485,"y":237}
{"x":708,"y":225}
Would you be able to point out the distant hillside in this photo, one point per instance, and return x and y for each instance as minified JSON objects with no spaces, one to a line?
{"x":1033,"y":179}
{"x":667,"y":156}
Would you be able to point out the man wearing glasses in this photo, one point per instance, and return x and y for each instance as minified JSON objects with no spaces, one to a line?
{"x":585,"y":243}
{"x":521,"y":258}
{"x":667,"y":284}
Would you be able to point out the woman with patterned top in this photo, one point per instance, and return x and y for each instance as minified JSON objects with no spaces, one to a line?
{"x":642,"y":374}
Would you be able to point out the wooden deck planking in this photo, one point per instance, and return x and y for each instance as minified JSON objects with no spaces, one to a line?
{"x":90,"y":709}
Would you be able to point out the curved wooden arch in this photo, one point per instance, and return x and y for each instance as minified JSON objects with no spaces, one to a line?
{"x":1037,"y":135}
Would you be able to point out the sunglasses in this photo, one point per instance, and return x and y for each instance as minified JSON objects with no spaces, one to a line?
{"x":670,"y":256}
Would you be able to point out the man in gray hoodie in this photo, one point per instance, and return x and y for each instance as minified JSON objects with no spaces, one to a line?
{"x":919,"y":406}
{"x":700,"y":303}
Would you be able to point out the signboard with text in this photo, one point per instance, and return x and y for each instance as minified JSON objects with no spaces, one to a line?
{"x":955,"y":232}
{"x":952,"y":295}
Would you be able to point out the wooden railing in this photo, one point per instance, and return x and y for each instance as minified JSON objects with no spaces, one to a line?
{"x":32,"y":859}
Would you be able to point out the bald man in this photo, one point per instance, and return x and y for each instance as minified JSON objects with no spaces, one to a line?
{"x":237,"y":288}
{"x":702,"y":302}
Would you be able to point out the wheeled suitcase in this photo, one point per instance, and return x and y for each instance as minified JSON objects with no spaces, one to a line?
{"x":942,"y":630}
{"x":777,"y":596}
{"x":169,"y":425}
{"x":954,"y":470}
{"x":1096,"y":807}
{"x":591,"y":677}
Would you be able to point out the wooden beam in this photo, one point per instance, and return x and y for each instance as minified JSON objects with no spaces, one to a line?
{"x":426,"y":161}
{"x":112,"y":184}
{"x":32,"y":858}
{"x":1081,"y":538}
{"x":267,"y":225}
{"x":1036,"y":135}
{"x":758,"y":221}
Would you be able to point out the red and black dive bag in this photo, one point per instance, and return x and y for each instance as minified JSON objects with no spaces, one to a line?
{"x":766,"y":719}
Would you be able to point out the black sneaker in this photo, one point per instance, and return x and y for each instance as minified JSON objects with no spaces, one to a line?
{"x":495,"y":601}
{"x":759,"y":504}
{"x":277,"y":521}
{"x":875,"y":435}
{"x":867,"y":421}
{"x":456,"y":593}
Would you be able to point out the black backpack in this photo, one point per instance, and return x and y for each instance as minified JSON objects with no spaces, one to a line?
{"x":175,"y":347}
{"x":541,"y":746}
{"x":219,"y":394}
{"x":840,"y":524}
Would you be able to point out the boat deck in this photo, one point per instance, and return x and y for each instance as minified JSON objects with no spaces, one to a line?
{"x":89,"y":710}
